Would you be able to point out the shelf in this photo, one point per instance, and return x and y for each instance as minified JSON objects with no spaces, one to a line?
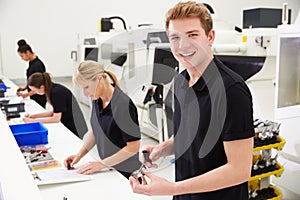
{"x":277,"y":192}
{"x":259,"y":183}
{"x":276,"y":173}
{"x":279,"y":145}
{"x":270,"y":193}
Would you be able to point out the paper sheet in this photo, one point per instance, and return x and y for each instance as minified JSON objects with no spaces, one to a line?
{"x":60,"y":175}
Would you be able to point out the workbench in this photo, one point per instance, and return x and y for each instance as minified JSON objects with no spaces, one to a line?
{"x":17,"y":182}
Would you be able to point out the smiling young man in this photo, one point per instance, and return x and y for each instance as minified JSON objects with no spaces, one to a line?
{"x":213,"y":118}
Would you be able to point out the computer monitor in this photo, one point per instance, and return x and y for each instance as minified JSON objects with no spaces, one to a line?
{"x":165,"y":66}
{"x":91,"y":53}
{"x":156,"y":37}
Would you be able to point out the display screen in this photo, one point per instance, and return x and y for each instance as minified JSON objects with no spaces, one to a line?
{"x":12,"y":109}
{"x":91,"y":54}
{"x":289,"y":72}
{"x":165,"y":66}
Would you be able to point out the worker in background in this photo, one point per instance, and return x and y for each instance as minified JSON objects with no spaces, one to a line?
{"x":65,"y":107}
{"x":35,"y":65}
{"x":115,"y":128}
{"x":213,"y":118}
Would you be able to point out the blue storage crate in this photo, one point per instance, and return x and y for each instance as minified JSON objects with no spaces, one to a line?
{"x":3,"y":86}
{"x":30,"y":133}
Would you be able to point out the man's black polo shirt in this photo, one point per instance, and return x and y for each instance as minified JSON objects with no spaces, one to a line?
{"x":217,"y":108}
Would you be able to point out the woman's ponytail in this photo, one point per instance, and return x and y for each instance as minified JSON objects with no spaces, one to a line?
{"x":113,"y":77}
{"x":38,"y":79}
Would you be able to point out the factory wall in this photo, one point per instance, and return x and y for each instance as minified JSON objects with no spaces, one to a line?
{"x":52,"y":27}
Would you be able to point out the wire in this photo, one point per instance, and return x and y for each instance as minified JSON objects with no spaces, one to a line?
{"x":120,"y":18}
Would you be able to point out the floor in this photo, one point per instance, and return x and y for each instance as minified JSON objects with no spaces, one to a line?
{"x":165,"y":167}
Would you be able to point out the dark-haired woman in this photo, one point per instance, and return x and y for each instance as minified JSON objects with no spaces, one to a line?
{"x":65,"y":107}
{"x":35,"y":65}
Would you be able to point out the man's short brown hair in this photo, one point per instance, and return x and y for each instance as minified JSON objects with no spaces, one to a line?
{"x":190,"y":9}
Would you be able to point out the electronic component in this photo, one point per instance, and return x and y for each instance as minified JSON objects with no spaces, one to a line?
{"x":13,"y":110}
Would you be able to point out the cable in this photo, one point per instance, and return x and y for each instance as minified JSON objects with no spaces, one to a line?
{"x":120,"y":18}
{"x":209,"y":8}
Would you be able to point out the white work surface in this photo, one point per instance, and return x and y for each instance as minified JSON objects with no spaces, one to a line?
{"x":106,"y":184}
{"x":16,"y":179}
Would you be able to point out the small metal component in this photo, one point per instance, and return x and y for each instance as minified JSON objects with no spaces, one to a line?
{"x":255,"y":166}
{"x":27,"y":157}
{"x":265,"y":158}
{"x":273,"y":161}
{"x":69,"y":167}
{"x":276,"y":129}
{"x":269,"y":132}
{"x":35,"y":157}
{"x":262,"y":164}
{"x":262,"y":135}
{"x":36,"y":176}
{"x":146,"y":156}
{"x":256,"y":122}
{"x":268,"y":163}
{"x":138,"y":173}
{"x":253,"y":193}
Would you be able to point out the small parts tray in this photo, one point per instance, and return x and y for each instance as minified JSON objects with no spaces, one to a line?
{"x":270,"y":193}
{"x":277,"y":172}
{"x":30,"y":133}
{"x":279,"y":143}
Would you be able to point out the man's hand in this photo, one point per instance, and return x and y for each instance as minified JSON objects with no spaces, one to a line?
{"x":154,"y":186}
{"x":155,"y":154}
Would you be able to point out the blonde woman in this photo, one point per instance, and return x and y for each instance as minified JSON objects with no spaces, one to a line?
{"x":114,"y":122}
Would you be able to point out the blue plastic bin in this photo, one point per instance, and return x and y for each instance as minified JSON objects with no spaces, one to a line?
{"x":3,"y":86}
{"x":30,"y":133}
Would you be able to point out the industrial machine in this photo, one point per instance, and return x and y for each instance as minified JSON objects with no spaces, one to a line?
{"x":143,"y":64}
{"x":133,"y":56}
{"x":252,"y":52}
{"x":276,"y":86}
{"x":287,"y":105}
{"x":268,"y":65}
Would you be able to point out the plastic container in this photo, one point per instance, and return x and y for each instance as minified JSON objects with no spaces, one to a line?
{"x":30,"y":133}
{"x":3,"y":86}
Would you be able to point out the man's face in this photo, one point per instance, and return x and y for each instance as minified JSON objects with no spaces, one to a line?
{"x":189,"y":43}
